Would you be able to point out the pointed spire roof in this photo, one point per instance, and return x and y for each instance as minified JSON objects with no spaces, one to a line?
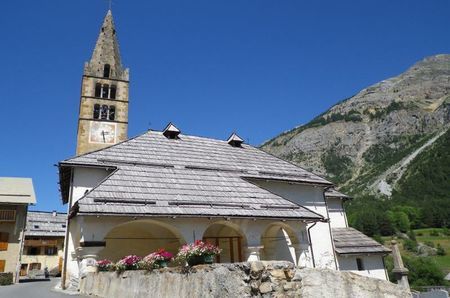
{"x":235,"y":140}
{"x":106,"y":52}
{"x":171,"y":131}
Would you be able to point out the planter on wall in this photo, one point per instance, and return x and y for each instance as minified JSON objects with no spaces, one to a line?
{"x":198,"y":260}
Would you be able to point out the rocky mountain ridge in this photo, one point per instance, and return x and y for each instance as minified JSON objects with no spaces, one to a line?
{"x":365,"y":143}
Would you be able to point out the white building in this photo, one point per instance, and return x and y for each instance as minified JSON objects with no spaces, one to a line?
{"x":164,"y":189}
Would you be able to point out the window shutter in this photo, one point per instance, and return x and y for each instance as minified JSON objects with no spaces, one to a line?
{"x":2,"y":265}
{"x":4,"y":241}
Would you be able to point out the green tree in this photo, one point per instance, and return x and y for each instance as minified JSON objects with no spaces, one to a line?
{"x":402,"y":221}
{"x":423,"y":271}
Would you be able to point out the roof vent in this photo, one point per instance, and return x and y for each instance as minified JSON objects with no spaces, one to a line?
{"x":235,"y":140}
{"x":171,"y":131}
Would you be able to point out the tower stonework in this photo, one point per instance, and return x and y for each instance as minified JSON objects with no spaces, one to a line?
{"x":103,"y":116}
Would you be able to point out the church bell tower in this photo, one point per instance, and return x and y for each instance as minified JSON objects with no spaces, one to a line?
{"x":103,"y":118}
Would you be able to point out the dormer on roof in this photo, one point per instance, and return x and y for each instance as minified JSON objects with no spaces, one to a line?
{"x":235,"y":140}
{"x":171,"y":131}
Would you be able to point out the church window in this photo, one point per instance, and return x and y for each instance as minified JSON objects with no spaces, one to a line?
{"x":112,"y":92}
{"x":112,"y":112}
{"x":96,"y":111}
{"x":104,"y":112}
{"x":106,"y":71}
{"x":105,"y":91}
{"x":359,"y":264}
{"x":98,"y":89}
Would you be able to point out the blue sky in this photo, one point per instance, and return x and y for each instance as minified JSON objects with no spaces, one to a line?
{"x":258,"y":67}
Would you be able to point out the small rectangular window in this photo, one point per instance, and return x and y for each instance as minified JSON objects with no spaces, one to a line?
{"x":34,"y":250}
{"x":51,"y":251}
{"x":359,"y":264}
{"x":35,"y":266}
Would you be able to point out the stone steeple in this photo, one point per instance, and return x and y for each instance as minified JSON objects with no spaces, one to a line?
{"x":106,"y":52}
{"x":103,"y":116}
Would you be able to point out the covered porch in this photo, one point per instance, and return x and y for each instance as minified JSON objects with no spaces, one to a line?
{"x":108,"y":237}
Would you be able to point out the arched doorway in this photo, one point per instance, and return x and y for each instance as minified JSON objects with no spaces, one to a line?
{"x":278,"y":240}
{"x":229,"y":238}
{"x":140,"y":237}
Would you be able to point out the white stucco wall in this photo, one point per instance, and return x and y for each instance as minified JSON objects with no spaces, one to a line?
{"x":373,"y":265}
{"x":336,"y":213}
{"x":312,"y":198}
{"x":84,"y":179}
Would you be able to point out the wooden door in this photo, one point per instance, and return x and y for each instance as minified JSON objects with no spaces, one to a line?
{"x":2,"y":265}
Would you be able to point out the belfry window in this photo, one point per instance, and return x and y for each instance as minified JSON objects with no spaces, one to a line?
{"x":112,"y":112}
{"x":112,"y":92}
{"x":105,"y":91}
{"x":104,"y":112}
{"x":98,"y":89}
{"x":106,"y":71}
{"x":96,"y":111}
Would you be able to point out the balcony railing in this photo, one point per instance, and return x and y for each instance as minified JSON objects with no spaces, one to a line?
{"x":7,"y":215}
{"x":41,"y":242}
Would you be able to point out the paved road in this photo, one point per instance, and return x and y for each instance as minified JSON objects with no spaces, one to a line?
{"x":35,"y":289}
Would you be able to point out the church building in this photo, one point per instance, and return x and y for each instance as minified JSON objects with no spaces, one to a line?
{"x":166,"y":188}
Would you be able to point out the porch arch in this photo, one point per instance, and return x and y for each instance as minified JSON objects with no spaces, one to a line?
{"x":279,"y":240}
{"x":229,"y":237}
{"x":140,"y":237}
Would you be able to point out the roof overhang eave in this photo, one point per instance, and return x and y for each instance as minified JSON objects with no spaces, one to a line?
{"x":350,"y":254}
{"x":305,"y":219}
{"x":302,"y":182}
{"x":65,"y":173}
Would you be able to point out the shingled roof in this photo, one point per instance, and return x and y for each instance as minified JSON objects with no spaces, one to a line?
{"x":333,"y":193}
{"x":351,"y":241}
{"x":42,"y":223}
{"x":191,"y":176}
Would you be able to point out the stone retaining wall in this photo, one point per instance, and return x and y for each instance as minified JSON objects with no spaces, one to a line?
{"x":266,"y":279}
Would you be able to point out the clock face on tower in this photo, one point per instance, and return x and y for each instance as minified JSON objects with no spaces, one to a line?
{"x":102,"y":132}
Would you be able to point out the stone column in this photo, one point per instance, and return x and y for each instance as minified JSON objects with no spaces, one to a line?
{"x":400,"y":272}
{"x":254,"y":253}
{"x":302,"y":255}
{"x":87,"y":257}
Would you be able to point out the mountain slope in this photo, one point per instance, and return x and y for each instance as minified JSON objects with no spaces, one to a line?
{"x":363,"y":143}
